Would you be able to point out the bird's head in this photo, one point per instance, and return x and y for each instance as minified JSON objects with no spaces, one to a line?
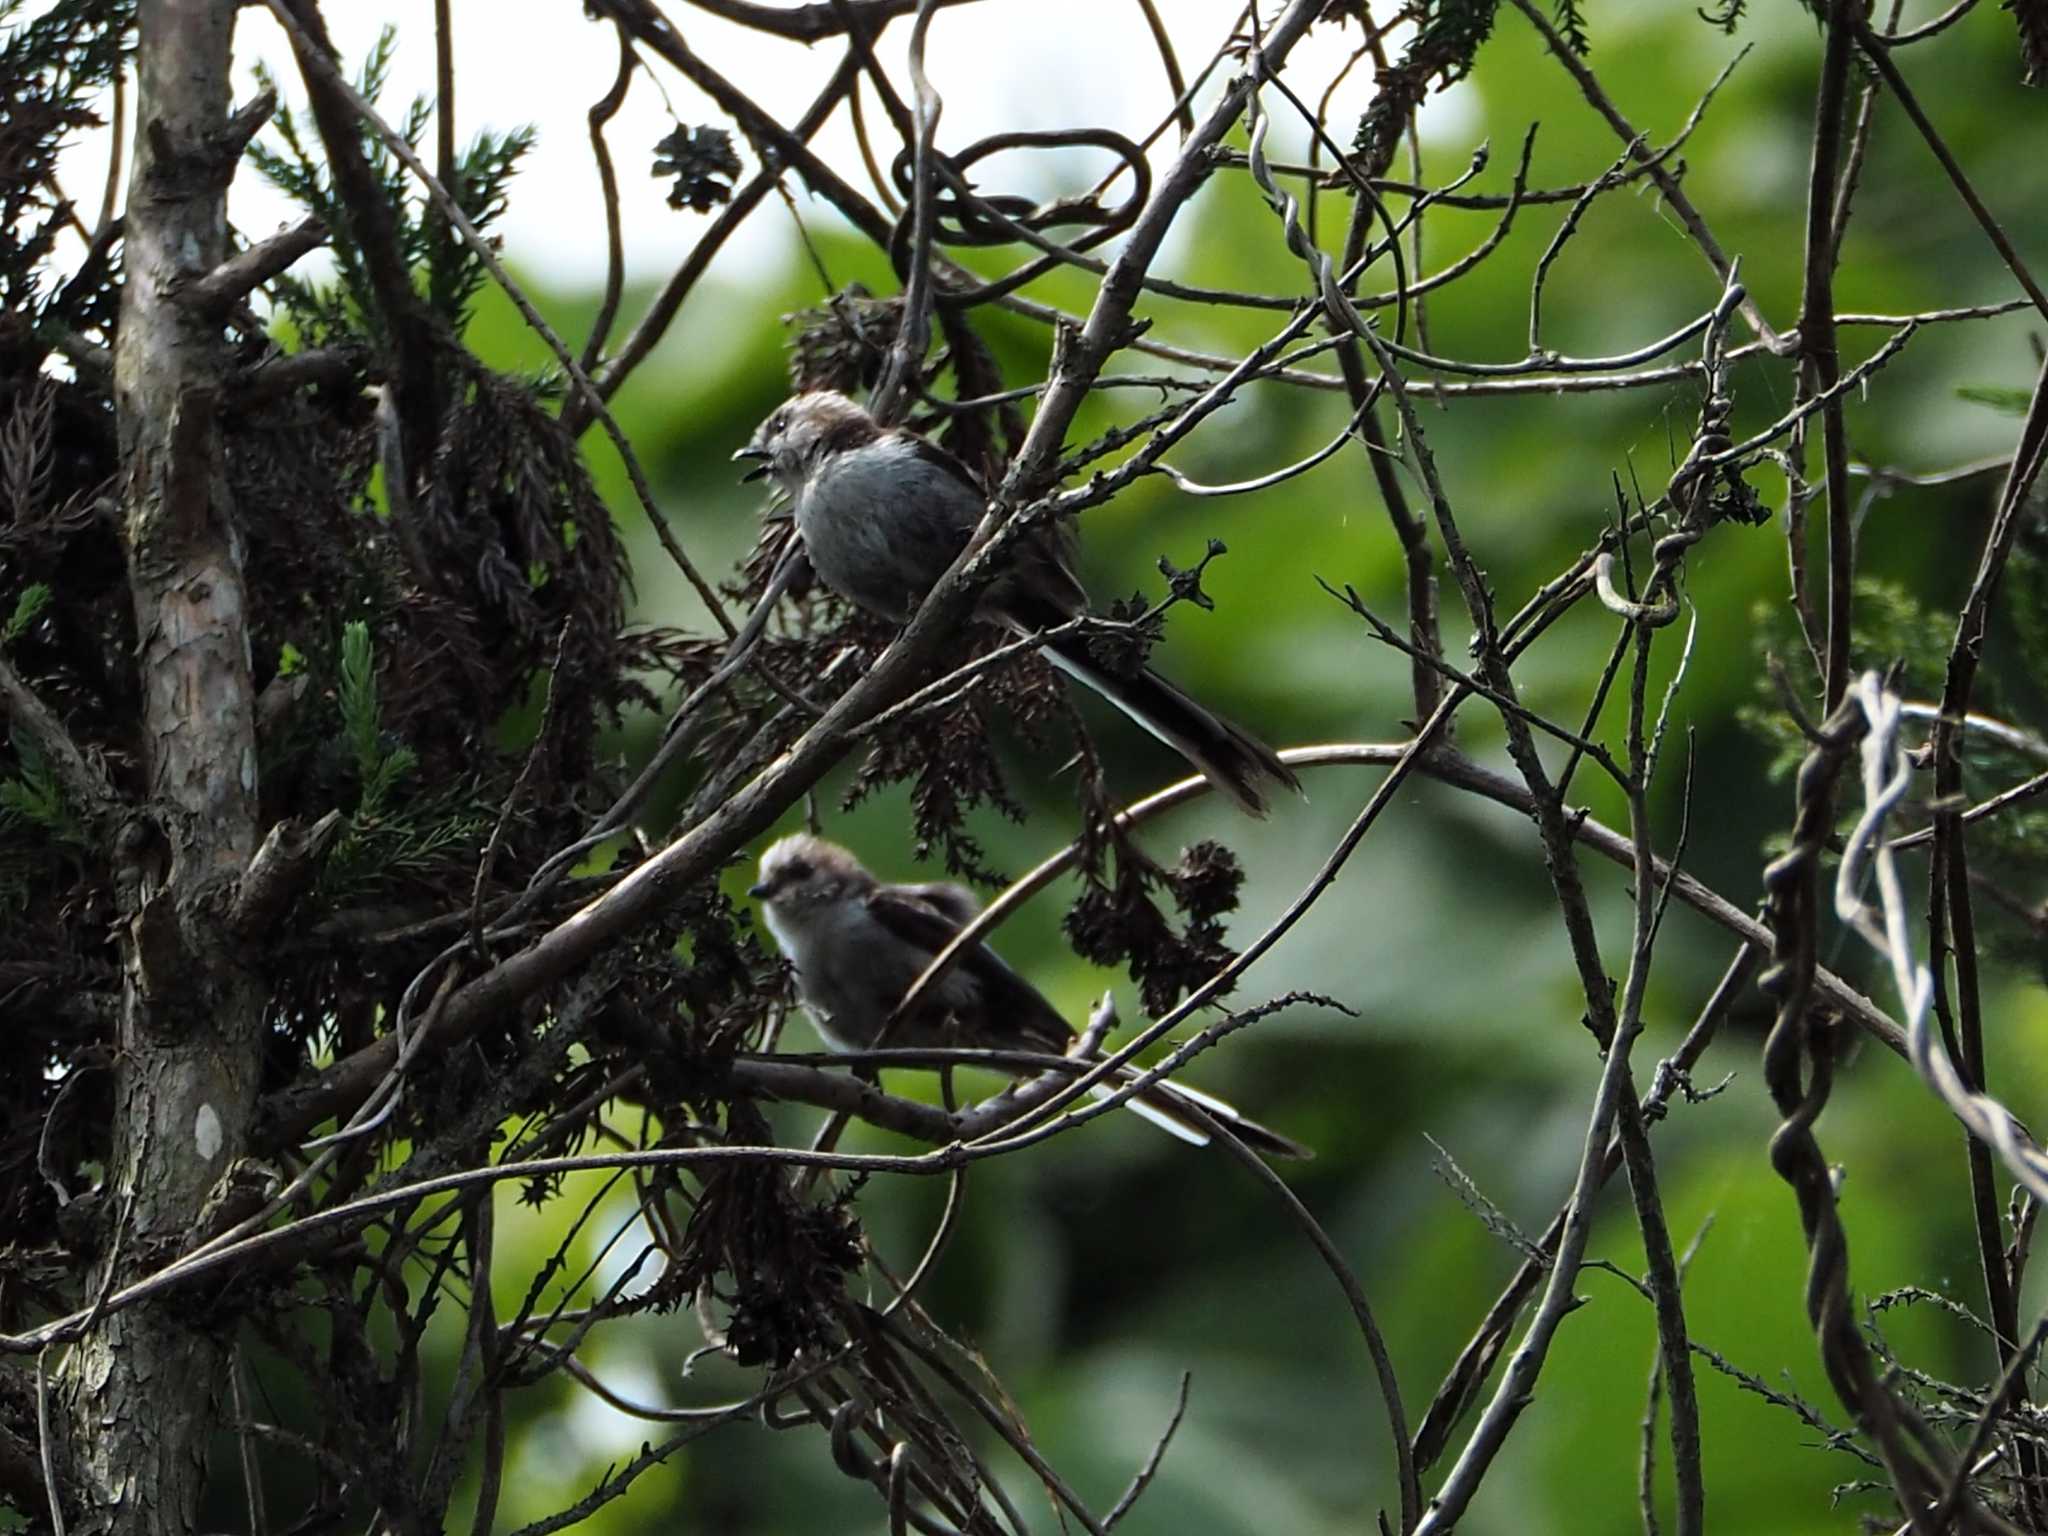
{"x":802,"y":432}
{"x":801,"y":873}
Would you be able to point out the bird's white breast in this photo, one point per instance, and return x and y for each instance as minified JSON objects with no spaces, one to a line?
{"x":851,"y":971}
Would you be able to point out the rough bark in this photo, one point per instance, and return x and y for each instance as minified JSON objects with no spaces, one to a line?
{"x":141,"y":1392}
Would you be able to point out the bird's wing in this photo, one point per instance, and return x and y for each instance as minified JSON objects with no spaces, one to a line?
{"x":1018,"y":1013}
{"x":1040,"y":589}
{"x":953,"y":902}
{"x":910,"y":914}
{"x":939,"y":458}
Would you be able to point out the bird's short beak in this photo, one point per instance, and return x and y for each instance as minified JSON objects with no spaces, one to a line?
{"x":759,"y":469}
{"x":761,"y":892}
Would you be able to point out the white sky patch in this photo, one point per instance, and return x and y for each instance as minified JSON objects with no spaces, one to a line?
{"x":595,"y":1426}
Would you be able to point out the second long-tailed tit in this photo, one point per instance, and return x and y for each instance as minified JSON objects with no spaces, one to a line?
{"x":857,"y":944}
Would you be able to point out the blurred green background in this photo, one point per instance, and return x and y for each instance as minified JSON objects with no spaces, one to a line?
{"x":1094,"y":1270}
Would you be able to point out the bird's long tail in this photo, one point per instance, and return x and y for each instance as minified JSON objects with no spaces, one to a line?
{"x":1166,"y":1105}
{"x":1232,"y":759}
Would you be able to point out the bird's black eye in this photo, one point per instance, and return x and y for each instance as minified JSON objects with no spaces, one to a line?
{"x":797,"y":869}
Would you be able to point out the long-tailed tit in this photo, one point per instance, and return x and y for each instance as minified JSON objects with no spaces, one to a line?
{"x":857,"y":945}
{"x":883,"y":513}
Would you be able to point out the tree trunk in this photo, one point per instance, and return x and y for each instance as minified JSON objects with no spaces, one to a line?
{"x":141,"y":1392}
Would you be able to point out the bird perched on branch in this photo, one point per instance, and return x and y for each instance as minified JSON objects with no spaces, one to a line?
{"x":883,"y":512}
{"x":857,"y":945}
